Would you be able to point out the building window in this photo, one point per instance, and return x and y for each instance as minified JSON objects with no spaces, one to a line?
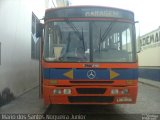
{"x":35,"y":42}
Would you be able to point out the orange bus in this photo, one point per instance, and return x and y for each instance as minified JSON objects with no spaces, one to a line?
{"x":88,"y":56}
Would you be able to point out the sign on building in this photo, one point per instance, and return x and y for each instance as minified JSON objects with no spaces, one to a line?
{"x":150,"y":40}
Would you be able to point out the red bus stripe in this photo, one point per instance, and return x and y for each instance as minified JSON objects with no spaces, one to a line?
{"x":82,"y":65}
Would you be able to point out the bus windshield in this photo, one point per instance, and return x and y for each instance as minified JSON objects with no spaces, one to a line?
{"x":89,"y":41}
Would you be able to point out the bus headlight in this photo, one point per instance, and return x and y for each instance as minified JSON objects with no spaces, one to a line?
{"x":67,"y":91}
{"x":114,"y":91}
{"x":57,"y":91}
{"x":124,"y":91}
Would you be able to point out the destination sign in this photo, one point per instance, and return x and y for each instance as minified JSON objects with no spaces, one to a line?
{"x":109,"y":13}
{"x":85,"y":12}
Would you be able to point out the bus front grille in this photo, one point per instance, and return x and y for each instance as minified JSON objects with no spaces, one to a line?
{"x":91,"y":99}
{"x":90,"y":90}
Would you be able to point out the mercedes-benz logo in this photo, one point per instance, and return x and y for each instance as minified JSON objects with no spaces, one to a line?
{"x":91,"y":74}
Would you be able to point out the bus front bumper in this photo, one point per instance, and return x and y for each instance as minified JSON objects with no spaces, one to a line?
{"x":89,"y":94}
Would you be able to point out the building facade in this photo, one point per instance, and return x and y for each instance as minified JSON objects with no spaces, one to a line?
{"x":149,"y":57}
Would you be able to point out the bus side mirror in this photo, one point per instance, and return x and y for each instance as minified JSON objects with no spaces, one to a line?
{"x":138,"y":45}
{"x":39,"y":29}
{"x":138,"y":40}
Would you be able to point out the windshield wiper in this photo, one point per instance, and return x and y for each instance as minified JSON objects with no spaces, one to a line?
{"x":72,"y":57}
{"x":76,"y":30}
{"x":105,"y":34}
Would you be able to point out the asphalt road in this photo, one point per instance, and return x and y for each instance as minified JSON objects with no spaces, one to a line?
{"x":146,"y":108}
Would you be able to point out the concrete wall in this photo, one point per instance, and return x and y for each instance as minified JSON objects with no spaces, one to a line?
{"x":18,"y":72}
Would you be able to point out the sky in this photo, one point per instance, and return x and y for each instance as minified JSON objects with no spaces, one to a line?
{"x":147,"y":12}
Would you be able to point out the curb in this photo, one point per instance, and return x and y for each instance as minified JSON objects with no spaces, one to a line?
{"x":149,"y":84}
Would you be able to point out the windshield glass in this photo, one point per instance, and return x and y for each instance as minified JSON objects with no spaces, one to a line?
{"x":88,"y":41}
{"x":66,"y":41}
{"x":112,"y":42}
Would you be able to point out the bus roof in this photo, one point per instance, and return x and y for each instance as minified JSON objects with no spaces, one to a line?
{"x":88,"y":11}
